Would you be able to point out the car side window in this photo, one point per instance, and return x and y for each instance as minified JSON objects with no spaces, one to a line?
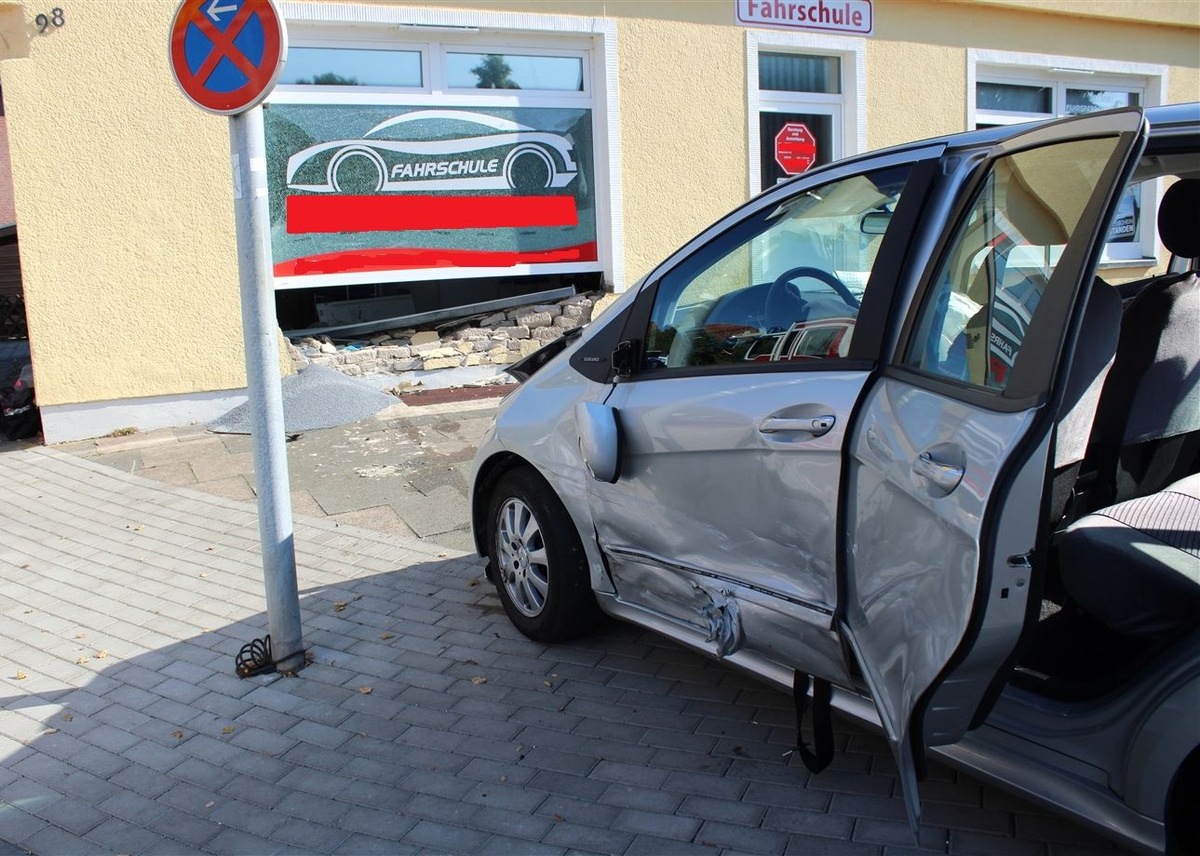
{"x":785,"y":285}
{"x":997,"y":267}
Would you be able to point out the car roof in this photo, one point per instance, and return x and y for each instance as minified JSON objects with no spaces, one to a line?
{"x":1168,"y":119}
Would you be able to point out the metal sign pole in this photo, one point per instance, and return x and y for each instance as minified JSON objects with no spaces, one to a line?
{"x":249,"y":159}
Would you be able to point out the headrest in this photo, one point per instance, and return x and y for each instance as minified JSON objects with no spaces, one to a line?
{"x":1179,"y":218}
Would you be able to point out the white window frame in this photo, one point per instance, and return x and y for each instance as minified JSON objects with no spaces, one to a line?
{"x":434,"y":32}
{"x":1068,"y":72}
{"x":848,"y":109}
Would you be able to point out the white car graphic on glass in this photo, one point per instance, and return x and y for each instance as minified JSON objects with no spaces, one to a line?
{"x":473,"y":151}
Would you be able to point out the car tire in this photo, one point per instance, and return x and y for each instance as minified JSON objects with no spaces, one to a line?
{"x":541,"y":571}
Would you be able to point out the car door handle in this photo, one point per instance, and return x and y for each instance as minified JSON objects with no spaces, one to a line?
{"x":814,"y":425}
{"x":945,"y":476}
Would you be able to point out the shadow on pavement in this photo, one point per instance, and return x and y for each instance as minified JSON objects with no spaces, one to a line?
{"x":425,"y":722}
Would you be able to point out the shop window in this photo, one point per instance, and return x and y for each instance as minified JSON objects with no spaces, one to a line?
{"x":805,"y":97}
{"x":338,"y":66}
{"x":1051,"y":87}
{"x":514,"y":71}
{"x":798,"y":73}
{"x":399,"y":160}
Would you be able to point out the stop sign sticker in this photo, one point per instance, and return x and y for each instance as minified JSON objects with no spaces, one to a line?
{"x":795,"y":148}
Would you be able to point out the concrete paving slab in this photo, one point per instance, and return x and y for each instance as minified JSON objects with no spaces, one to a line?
{"x":382,"y":518}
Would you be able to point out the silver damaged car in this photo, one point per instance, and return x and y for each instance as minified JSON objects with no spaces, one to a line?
{"x":885,"y":438}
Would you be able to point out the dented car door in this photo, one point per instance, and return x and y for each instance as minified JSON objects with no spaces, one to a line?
{"x":722,"y":513}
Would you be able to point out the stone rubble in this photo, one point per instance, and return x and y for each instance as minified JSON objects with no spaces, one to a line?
{"x":499,"y":339}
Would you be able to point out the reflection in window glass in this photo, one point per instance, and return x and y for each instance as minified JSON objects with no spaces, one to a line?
{"x":1081,"y":101}
{"x":351,"y":67}
{"x":785,"y":285}
{"x":514,"y":71}
{"x":797,"y":73}
{"x":998,"y":266}
{"x":1014,"y":98}
{"x":1126,"y":225}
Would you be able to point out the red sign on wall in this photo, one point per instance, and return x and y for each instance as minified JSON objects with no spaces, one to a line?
{"x":795,"y":148}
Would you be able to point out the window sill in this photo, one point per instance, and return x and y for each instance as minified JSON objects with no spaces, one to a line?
{"x":1110,"y":264}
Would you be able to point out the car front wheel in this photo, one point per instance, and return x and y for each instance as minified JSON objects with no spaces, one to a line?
{"x":540,"y":568}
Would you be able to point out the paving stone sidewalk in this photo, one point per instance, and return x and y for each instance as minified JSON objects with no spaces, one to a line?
{"x":425,"y":723}
{"x":403,"y":472}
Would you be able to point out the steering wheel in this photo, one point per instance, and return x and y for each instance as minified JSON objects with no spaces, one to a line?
{"x":785,"y":300}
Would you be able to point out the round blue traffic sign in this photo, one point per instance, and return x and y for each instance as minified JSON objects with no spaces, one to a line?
{"x":227,"y":54}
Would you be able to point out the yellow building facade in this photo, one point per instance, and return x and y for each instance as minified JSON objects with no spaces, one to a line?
{"x":676,"y":111}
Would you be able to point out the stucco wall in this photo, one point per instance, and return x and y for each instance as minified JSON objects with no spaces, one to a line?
{"x":123,"y":188}
{"x":125,"y":208}
{"x":684,"y":161}
{"x":8,"y":207}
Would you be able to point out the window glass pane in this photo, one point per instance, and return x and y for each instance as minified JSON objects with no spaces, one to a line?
{"x":991,"y":282}
{"x":785,"y":147}
{"x":1090,"y":100}
{"x":352,"y":67}
{"x":1013,"y":97}
{"x":1126,"y":226}
{"x":784,"y":285}
{"x":513,"y":71}
{"x":796,"y":73}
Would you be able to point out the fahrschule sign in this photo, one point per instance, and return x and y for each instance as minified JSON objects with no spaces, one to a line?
{"x":831,"y":16}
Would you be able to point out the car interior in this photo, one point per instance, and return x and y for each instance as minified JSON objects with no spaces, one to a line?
{"x":1123,"y":565}
{"x":786,"y":286}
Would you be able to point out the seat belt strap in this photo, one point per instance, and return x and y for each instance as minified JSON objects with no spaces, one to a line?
{"x":818,"y":757}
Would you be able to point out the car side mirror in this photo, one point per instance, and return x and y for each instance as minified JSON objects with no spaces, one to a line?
{"x":599,"y":440}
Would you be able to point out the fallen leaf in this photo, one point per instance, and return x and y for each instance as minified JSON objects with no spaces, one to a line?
{"x":81,"y":636}
{"x":479,"y":680}
{"x":68,"y":716}
{"x":443,"y":555}
{"x":209,"y":549}
{"x":101,"y":654}
{"x":472,"y":583}
{"x":228,"y":729}
{"x":82,"y":660}
{"x":547,"y":683}
{"x":387,"y":635}
{"x":558,"y":817}
{"x":204,"y":575}
{"x":365,"y":690}
{"x":29,"y":612}
{"x":339,"y":605}
{"x":178,"y":735}
{"x":25,"y":567}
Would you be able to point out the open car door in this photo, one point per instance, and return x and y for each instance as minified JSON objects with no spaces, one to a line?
{"x":951,"y":448}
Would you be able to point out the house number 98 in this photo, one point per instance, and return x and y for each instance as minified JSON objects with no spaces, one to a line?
{"x":44,"y":21}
